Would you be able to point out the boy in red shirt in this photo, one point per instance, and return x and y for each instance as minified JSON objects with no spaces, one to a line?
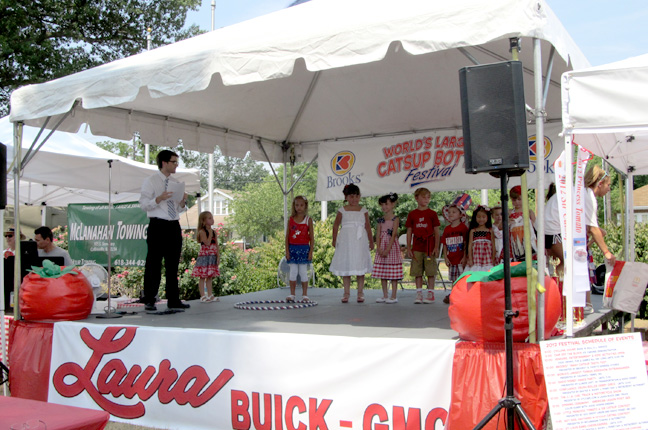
{"x":423,"y":227}
{"x":454,"y":241}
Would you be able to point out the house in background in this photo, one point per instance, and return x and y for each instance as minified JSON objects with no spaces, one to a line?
{"x":640,"y":198}
{"x":221,"y":209}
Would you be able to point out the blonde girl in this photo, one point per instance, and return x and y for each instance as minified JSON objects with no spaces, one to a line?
{"x":352,"y":246}
{"x":299,"y":246}
{"x":206,"y":266}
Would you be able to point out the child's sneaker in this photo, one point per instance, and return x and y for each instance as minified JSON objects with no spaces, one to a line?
{"x":391,"y":301}
{"x":381,"y":300}
{"x":430,"y":297}
{"x":419,"y":297}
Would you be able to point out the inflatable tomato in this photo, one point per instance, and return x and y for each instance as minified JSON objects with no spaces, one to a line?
{"x":477,"y":309}
{"x":67,"y":297}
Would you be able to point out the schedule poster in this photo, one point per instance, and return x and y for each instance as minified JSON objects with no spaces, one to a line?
{"x":596,"y":382}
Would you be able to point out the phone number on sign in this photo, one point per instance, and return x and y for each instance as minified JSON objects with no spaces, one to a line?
{"x":122,"y":262}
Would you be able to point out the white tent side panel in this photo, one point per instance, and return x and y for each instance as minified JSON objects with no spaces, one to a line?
{"x":605,"y":108}
{"x":610,"y":98}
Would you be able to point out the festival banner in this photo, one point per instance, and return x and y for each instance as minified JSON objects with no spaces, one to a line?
{"x":89,"y":233}
{"x":581,"y":270}
{"x":401,"y":164}
{"x":197,"y":379}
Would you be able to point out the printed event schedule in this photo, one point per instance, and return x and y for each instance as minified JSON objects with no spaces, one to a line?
{"x":596,"y":382}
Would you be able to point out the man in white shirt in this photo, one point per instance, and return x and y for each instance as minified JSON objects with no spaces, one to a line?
{"x":44,"y":238}
{"x":164,"y":236}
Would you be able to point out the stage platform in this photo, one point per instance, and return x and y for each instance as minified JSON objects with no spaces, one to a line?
{"x":330,"y":317}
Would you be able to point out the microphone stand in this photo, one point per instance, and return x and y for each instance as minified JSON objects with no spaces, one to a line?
{"x":108,"y":311}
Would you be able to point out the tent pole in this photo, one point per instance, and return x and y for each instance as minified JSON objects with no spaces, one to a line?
{"x":285,"y":194}
{"x":568,"y":240}
{"x":630,"y":243}
{"x":274,"y":172}
{"x":108,"y":311}
{"x":18,"y":134}
{"x":30,"y":153}
{"x":629,"y":254}
{"x":540,"y":184}
{"x":552,"y":54}
{"x":528,"y":253}
{"x":303,"y":173}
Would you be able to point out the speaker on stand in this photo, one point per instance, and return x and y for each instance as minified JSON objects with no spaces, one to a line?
{"x":496,"y":142}
{"x":494,"y":118}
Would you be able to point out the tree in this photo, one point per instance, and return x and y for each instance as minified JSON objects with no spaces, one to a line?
{"x":46,"y":39}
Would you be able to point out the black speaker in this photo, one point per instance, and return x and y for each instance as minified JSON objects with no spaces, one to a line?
{"x":494,"y":118}
{"x":3,"y":176}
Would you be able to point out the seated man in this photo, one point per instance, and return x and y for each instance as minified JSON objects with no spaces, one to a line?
{"x":43,"y":237}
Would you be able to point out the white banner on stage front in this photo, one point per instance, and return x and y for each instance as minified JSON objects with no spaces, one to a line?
{"x":198,"y":379}
{"x":401,"y":164}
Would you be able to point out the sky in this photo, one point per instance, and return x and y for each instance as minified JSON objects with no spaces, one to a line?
{"x":605,"y":30}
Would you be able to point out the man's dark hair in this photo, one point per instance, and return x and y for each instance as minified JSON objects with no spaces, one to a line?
{"x":165,"y":155}
{"x":44,"y":232}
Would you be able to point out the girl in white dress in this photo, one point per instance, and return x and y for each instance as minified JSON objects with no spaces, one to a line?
{"x":353,"y":244}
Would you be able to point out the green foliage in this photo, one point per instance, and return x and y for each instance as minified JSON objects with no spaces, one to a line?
{"x":44,"y":40}
{"x":614,"y":241}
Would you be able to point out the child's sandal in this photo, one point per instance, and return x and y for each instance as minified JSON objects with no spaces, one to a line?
{"x":360,"y":298}
{"x":345,"y":298}
{"x":204,"y":299}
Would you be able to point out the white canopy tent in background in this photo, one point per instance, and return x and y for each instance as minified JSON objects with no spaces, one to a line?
{"x":605,"y":110}
{"x":326,"y":70}
{"x":69,"y":169}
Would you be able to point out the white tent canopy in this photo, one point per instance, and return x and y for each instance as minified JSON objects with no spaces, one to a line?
{"x":605,"y":108}
{"x":69,"y":169}
{"x":324,"y":70}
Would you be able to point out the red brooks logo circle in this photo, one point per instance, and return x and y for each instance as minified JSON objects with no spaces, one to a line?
{"x":533,"y":152}
{"x":342,"y":162}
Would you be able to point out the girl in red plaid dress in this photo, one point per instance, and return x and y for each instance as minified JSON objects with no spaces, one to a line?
{"x":481,"y":241}
{"x":388,"y":264}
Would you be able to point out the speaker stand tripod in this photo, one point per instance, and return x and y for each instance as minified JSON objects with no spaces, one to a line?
{"x":511,"y":404}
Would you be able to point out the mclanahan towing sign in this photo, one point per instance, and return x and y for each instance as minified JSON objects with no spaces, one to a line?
{"x":401,"y":164}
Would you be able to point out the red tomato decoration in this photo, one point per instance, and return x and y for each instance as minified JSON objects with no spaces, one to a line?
{"x":67,"y":298}
{"x":477,"y":309}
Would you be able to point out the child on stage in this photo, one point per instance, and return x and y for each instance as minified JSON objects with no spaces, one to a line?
{"x":352,"y":247}
{"x":206,"y":267}
{"x":388,"y":264}
{"x":299,"y":246}
{"x":423,"y":244}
